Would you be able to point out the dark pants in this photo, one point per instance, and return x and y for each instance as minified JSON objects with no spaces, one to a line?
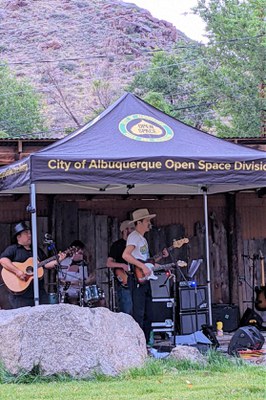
{"x":142,"y":305}
{"x":124,"y":297}
{"x":8,"y":300}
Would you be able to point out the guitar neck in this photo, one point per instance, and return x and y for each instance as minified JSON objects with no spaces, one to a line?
{"x":163,"y":267}
{"x":42,"y":263}
{"x":160,"y":255}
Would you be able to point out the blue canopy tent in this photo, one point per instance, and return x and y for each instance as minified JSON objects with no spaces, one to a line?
{"x":133,"y":148}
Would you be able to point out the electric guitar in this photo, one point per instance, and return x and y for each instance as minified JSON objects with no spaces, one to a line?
{"x":260,"y":302}
{"x":141,"y":278}
{"x":122,"y":275}
{"x":17,"y":285}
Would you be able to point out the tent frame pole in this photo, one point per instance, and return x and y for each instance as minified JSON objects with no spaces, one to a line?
{"x":205,"y":197}
{"x":32,"y":210}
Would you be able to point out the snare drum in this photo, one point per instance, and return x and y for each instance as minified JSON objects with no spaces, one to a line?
{"x":92,"y":294}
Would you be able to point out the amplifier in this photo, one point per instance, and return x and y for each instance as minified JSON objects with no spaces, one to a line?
{"x":190,"y":298}
{"x":191,"y":322}
{"x":161,"y":287}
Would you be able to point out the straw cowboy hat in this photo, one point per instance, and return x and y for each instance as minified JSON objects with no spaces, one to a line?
{"x":20,"y":227}
{"x":125,"y":224}
{"x":141,"y":214}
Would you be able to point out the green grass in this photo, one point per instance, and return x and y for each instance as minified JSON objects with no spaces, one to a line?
{"x":221,"y":378}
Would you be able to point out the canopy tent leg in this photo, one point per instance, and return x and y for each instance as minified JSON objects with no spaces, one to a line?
{"x":32,"y":209}
{"x":207,"y":253}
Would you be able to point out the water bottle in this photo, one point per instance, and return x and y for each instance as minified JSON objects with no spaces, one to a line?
{"x":151,"y":340}
{"x":219,"y":328}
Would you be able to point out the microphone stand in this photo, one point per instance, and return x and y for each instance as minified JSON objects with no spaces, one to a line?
{"x":174,"y":277}
{"x":252,"y":286}
{"x":52,"y":248}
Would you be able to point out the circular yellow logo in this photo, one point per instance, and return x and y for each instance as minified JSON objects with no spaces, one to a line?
{"x":145,"y":129}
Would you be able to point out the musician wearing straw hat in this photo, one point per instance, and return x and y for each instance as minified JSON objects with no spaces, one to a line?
{"x":136,"y":253}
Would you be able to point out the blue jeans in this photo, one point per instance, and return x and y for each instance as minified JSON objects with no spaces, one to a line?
{"x":124,"y":298}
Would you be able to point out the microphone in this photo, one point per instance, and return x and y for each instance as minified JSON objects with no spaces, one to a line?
{"x":48,"y":238}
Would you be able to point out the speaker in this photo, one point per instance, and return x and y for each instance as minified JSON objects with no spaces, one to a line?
{"x":190,"y":298}
{"x":247,"y":337}
{"x":192,"y":322}
{"x":250,"y":317}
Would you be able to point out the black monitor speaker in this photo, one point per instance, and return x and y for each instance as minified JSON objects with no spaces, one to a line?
{"x":247,"y":337}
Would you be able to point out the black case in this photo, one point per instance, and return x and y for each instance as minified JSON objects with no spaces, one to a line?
{"x":162,"y":310}
{"x":228,"y":314}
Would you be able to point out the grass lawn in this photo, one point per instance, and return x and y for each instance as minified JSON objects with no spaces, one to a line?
{"x":158,"y":380}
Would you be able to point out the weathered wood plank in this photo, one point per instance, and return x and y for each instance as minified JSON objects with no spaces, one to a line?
{"x":66,"y":223}
{"x":6,"y":236}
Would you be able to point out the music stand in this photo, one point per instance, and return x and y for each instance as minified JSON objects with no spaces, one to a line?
{"x":194,"y":266}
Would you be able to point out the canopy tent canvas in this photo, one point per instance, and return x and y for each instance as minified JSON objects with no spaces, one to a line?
{"x":133,"y":148}
{"x":134,"y":145}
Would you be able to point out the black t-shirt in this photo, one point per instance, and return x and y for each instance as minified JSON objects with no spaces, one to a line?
{"x":18,"y":253}
{"x":117,"y":250}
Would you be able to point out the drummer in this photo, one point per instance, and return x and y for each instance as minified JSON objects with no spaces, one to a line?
{"x":72,"y":273}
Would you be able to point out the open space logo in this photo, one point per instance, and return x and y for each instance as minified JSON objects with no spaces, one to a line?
{"x":145,"y":129}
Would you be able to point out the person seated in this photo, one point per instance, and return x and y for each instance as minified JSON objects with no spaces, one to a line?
{"x":71,"y":274}
{"x":76,"y":282}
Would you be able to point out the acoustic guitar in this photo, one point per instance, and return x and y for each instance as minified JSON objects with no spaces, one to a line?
{"x":122,"y":275}
{"x":260,"y":301}
{"x":18,"y":286}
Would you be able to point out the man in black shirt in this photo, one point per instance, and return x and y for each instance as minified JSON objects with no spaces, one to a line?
{"x":120,"y":267}
{"x":19,"y":253}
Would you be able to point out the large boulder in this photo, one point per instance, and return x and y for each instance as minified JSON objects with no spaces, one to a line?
{"x":67,"y":339}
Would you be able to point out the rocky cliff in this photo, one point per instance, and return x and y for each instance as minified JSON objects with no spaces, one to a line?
{"x":79,"y":54}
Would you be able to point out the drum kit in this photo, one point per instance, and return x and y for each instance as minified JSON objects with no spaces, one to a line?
{"x":91,"y":296}
{"x":78,"y":293}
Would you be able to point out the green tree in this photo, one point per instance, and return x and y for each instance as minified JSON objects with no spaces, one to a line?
{"x":20,"y":106}
{"x":215,"y":87}
{"x":175,"y":77}
{"x":236,"y":32}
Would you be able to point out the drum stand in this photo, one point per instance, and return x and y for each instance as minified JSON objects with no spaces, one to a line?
{"x":112,"y":291}
{"x":83,"y":288}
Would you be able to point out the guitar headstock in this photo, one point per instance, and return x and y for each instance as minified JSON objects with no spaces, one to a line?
{"x":71,"y":251}
{"x":179,"y":243}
